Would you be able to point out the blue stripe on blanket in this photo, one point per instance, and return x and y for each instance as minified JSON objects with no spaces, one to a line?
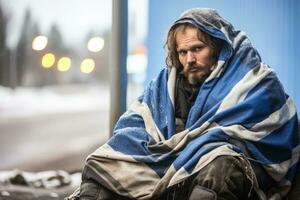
{"x":199,"y":147}
{"x":124,"y":121}
{"x":131,"y":141}
{"x":266,"y":98}
{"x":135,"y":142}
{"x":207,"y":117}
{"x":211,"y":96}
{"x":274,"y":88}
{"x":277,"y":146}
{"x":162,"y":108}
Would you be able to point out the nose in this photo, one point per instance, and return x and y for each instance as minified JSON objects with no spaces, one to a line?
{"x":190,"y":57}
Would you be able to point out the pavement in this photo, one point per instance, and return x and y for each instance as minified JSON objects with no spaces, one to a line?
{"x":14,"y":192}
{"x":53,"y":128}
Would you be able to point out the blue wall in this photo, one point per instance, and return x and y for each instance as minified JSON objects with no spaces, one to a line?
{"x":272,"y":26}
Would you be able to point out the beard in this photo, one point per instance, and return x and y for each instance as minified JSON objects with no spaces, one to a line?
{"x":196,"y":75}
{"x":195,"y":79}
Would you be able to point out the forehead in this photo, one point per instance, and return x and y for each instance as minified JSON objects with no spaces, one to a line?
{"x":187,"y":35}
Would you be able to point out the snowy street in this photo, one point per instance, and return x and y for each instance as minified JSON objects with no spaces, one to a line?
{"x":51,"y":128}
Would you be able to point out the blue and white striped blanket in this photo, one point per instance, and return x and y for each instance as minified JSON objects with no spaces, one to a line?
{"x":242,"y":99}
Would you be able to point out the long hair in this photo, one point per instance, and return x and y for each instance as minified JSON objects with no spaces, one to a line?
{"x":172,"y":59}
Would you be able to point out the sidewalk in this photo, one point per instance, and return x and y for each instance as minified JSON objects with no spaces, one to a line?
{"x":47,"y":185}
{"x":53,"y":127}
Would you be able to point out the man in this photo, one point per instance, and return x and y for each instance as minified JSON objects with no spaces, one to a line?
{"x":214,"y":124}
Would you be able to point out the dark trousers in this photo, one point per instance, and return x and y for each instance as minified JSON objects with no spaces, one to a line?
{"x":225,"y":178}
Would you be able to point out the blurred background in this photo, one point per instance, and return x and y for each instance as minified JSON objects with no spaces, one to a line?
{"x":55,"y":60}
{"x":54,"y":79}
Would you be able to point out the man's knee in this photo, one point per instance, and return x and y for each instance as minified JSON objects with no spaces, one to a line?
{"x":200,"y":192}
{"x":225,"y":176}
{"x":91,"y":190}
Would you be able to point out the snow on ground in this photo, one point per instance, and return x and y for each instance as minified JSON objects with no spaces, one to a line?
{"x":28,"y":102}
{"x":43,"y":179}
{"x":52,"y":127}
{"x":43,"y":147}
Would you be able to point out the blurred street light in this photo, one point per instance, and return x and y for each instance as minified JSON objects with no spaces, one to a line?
{"x":48,"y":60}
{"x":87,"y":65}
{"x":95,"y":44}
{"x":39,"y":43}
{"x":64,"y":64}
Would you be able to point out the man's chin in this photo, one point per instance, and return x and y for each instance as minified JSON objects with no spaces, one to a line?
{"x":196,"y":81}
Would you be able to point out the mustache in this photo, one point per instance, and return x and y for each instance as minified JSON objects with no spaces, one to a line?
{"x":194,"y":66}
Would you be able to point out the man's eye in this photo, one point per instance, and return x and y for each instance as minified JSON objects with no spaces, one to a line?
{"x":196,"y":49}
{"x":182,"y":53}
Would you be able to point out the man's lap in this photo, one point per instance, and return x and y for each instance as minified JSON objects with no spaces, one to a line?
{"x":225,"y":176}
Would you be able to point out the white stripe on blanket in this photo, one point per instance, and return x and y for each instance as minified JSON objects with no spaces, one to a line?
{"x":277,"y":118}
{"x":241,"y":89}
{"x":171,"y":85}
{"x":143,"y":110}
{"x":256,"y":133}
{"x":217,"y":71}
{"x":114,"y":161}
